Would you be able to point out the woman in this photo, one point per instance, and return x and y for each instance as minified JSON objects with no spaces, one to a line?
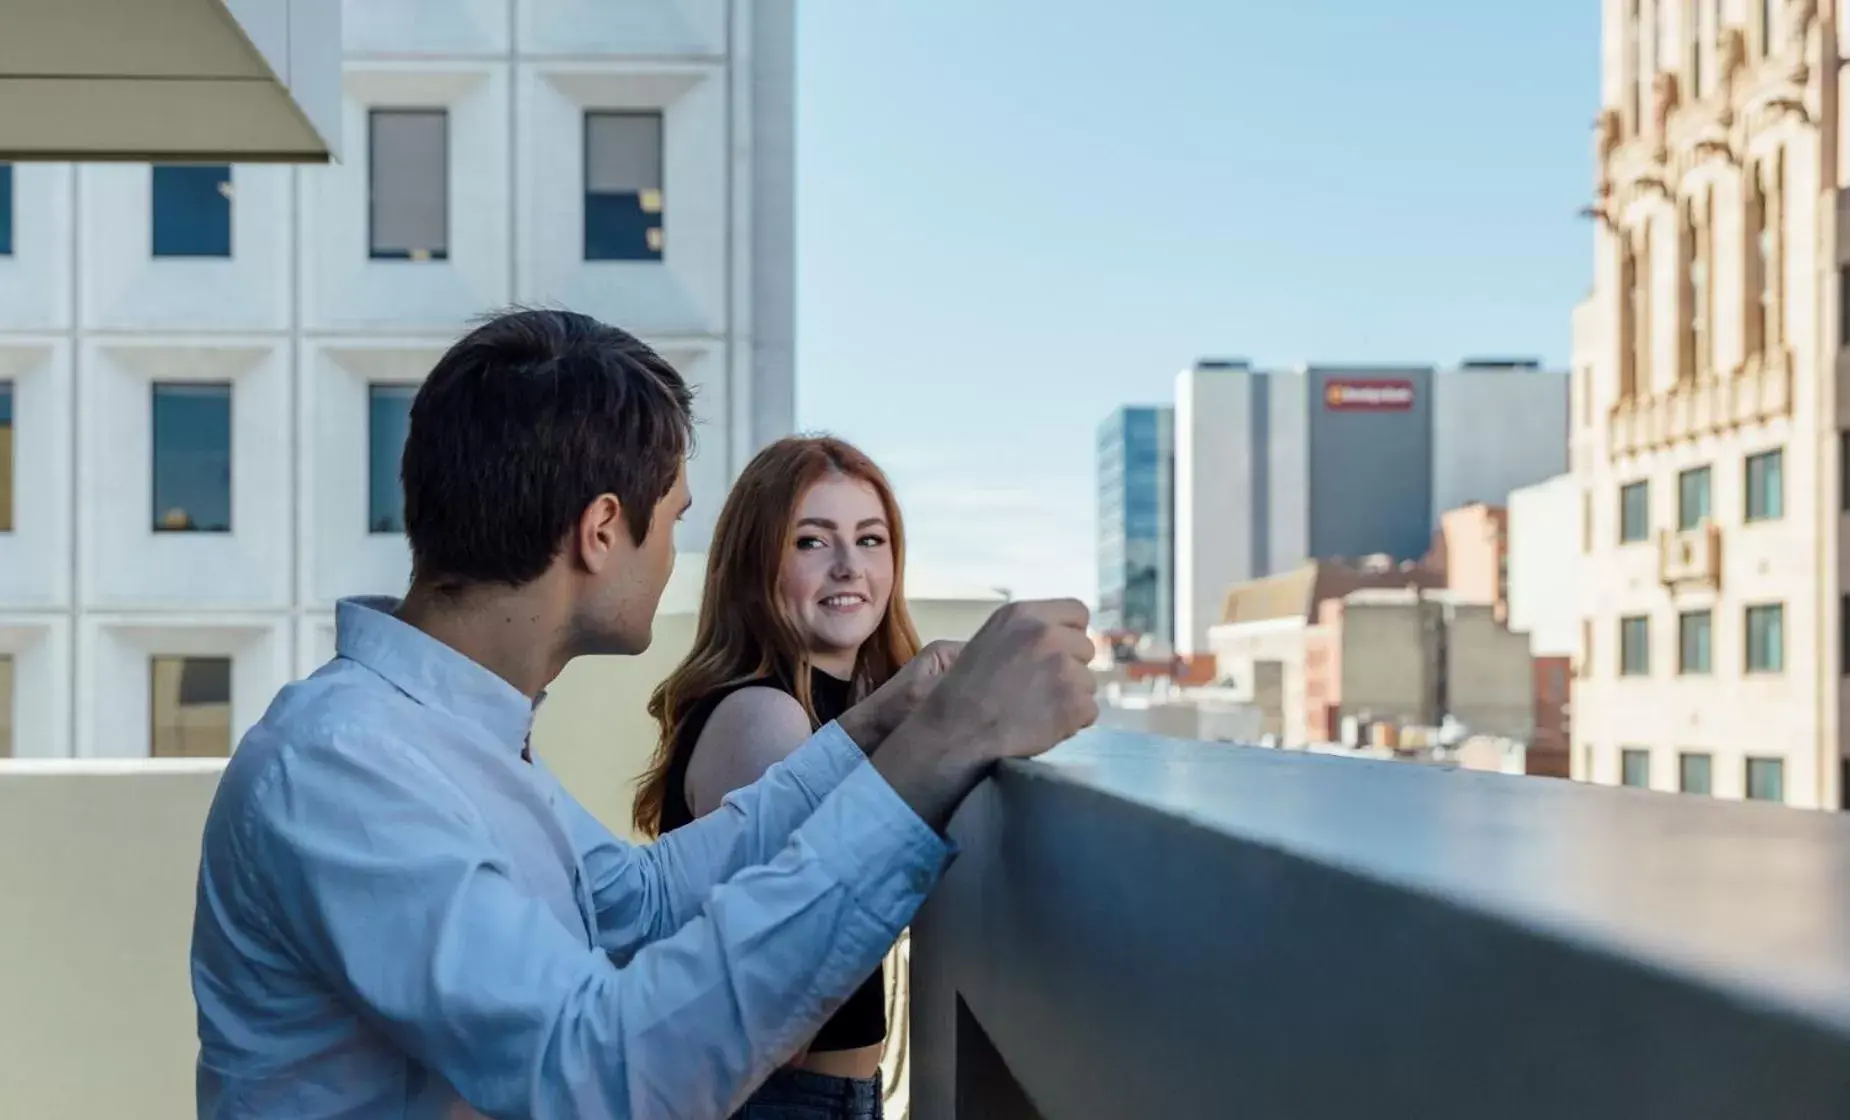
{"x":803,"y":614}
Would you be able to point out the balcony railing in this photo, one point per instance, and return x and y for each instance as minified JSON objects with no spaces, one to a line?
{"x":1140,"y":928}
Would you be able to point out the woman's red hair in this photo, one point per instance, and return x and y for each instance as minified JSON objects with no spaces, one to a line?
{"x":742,"y":633}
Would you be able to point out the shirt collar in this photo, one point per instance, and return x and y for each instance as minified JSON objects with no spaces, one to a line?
{"x":368,"y":631}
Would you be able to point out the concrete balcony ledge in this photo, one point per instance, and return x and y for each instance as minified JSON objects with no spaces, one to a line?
{"x":1141,"y":927}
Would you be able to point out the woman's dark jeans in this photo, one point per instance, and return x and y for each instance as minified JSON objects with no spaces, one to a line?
{"x":794,"y":1094}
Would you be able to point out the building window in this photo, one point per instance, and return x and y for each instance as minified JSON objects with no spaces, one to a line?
{"x":623,"y":186}
{"x":1766,"y":489}
{"x":6,"y":706}
{"x":1698,"y":80}
{"x":1586,"y":647}
{"x":408,"y":154}
{"x":192,"y":458}
{"x":1755,"y":282}
{"x":1766,"y":638}
{"x":1586,"y":521}
{"x":1766,"y":780}
{"x":1692,"y":498}
{"x":6,"y":456}
{"x":1634,"y":512}
{"x":1693,"y":246}
{"x":1693,"y":635}
{"x":1843,"y":471}
{"x":1634,"y":87}
{"x":1634,"y":646}
{"x":1843,"y":306}
{"x":6,"y":209}
{"x":1763,"y":24}
{"x":388,"y":420}
{"x":191,"y":210}
{"x":1693,"y":772}
{"x":189,"y":707}
{"x":1634,"y":310}
{"x":1635,"y":768}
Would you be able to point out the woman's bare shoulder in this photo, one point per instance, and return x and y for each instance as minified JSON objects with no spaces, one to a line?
{"x":750,"y":731}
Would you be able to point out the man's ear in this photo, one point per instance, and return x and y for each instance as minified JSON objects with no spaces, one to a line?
{"x":601,"y":533}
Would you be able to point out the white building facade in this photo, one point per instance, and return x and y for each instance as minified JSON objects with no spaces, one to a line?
{"x":205,"y":371}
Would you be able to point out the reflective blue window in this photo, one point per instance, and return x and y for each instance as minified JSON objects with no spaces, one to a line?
{"x":6,"y":209}
{"x":192,"y":458}
{"x":388,"y":421}
{"x":191,"y":210}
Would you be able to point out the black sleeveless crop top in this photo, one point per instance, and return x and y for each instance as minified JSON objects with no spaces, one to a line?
{"x":861,"y":1021}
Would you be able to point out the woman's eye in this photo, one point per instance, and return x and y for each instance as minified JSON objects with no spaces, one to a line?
{"x":809,"y":543}
{"x":871,"y":541}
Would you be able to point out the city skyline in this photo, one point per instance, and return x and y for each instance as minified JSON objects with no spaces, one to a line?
{"x":982,"y":271}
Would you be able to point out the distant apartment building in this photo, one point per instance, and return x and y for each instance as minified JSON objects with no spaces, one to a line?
{"x":1136,"y":515}
{"x":1708,"y":444}
{"x":1275,"y":468}
{"x":1471,"y":553}
{"x":1265,"y":627}
{"x":1413,"y":657}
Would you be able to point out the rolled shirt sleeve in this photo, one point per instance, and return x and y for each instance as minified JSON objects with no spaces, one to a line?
{"x":392,"y":888}
{"x":644,"y":893}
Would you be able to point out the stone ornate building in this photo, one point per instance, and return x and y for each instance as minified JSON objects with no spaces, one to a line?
{"x":1707,"y":434}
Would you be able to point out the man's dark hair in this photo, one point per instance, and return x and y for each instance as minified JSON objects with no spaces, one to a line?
{"x":521,"y":425}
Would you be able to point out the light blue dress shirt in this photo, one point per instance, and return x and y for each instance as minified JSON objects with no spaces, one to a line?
{"x":397,"y":915}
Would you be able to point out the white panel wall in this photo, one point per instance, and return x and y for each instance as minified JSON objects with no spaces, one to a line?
{"x":35,"y":281}
{"x":40,"y":646}
{"x":124,"y":288}
{"x":345,"y":558}
{"x":343,"y":288}
{"x":655,"y":29}
{"x":125,"y":564}
{"x":685,"y":292}
{"x":35,"y":558}
{"x":300,"y":320}
{"x":1214,"y":497}
{"x":113,"y":657}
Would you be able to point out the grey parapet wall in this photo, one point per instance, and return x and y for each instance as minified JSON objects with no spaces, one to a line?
{"x":1143,"y":928}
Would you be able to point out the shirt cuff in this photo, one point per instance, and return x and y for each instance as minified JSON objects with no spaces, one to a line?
{"x":871,"y":841}
{"x":825,"y":761}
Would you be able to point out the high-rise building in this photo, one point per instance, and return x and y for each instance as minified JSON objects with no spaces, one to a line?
{"x":1277,"y":468}
{"x":205,"y":370}
{"x":1136,"y":516}
{"x":1708,"y":440}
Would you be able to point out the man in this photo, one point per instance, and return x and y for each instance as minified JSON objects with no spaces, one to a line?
{"x":402,"y":914}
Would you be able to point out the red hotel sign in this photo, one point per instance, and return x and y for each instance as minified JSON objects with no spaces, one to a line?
{"x":1371,"y":395}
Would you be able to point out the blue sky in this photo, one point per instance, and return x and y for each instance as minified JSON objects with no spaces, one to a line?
{"x":1015,"y":215}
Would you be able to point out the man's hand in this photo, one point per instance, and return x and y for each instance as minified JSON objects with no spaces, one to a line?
{"x":874,"y":718}
{"x":1020,"y":687}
